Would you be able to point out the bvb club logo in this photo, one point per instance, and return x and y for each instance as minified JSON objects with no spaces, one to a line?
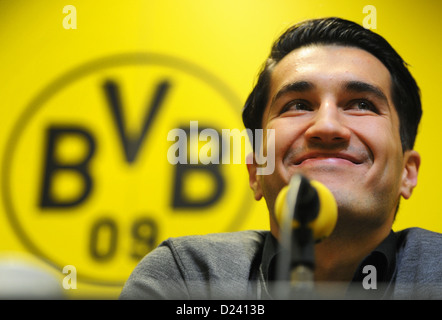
{"x":86,"y":181}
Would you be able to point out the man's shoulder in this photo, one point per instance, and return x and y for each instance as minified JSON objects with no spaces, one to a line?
{"x":418,"y":244}
{"x":222,"y":237}
{"x":419,"y":272}
{"x":239,"y":241}
{"x":223,"y":262}
{"x":420,"y":238}
{"x":198,"y":266}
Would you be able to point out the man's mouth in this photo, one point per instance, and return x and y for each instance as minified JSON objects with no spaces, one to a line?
{"x":326,"y":157}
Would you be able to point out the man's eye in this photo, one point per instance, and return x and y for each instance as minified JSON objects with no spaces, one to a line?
{"x":296,"y":106}
{"x":364,"y":105}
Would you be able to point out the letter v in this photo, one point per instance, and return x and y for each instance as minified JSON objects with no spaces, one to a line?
{"x":132,"y":145}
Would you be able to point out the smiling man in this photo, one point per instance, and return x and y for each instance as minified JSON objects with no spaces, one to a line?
{"x":345,"y":111}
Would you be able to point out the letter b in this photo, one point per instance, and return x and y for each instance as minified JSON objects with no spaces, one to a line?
{"x":54,"y":165}
{"x":180,"y":200}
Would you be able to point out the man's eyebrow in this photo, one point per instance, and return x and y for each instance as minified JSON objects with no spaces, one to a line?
{"x":297,"y":86}
{"x":361,"y":87}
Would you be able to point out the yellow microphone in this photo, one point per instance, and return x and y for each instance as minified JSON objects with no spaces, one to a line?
{"x":310,"y":202}
{"x":306,"y":212}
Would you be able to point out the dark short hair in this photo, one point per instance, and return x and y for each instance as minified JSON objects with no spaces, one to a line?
{"x":336,"y":31}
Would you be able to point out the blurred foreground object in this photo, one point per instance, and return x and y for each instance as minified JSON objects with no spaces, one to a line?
{"x":26,"y":277}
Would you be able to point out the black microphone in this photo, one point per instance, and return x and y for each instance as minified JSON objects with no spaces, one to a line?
{"x":306,"y":212}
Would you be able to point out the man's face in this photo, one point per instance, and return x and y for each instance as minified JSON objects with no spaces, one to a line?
{"x":332,"y":111}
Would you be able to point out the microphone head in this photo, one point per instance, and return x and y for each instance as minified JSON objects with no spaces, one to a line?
{"x":320,"y":212}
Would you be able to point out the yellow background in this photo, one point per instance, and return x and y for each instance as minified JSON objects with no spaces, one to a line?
{"x":227,"y":39}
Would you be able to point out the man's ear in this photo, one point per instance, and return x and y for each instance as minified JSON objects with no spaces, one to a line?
{"x":409,"y":176}
{"x":254,"y":182}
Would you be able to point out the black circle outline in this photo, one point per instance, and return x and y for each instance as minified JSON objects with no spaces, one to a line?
{"x":64,"y":80}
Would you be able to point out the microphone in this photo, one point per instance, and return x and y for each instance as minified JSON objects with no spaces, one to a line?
{"x":308,"y":203}
{"x":306,"y":212}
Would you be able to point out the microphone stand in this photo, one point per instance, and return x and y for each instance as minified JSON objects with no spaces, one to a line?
{"x":296,"y":261}
{"x":302,"y":264}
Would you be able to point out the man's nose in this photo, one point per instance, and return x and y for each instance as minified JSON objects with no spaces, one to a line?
{"x":327,"y":126}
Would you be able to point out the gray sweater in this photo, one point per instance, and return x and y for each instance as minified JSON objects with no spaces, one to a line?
{"x":227,"y":266}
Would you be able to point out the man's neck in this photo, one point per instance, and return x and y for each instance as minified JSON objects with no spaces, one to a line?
{"x":337,"y":257}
